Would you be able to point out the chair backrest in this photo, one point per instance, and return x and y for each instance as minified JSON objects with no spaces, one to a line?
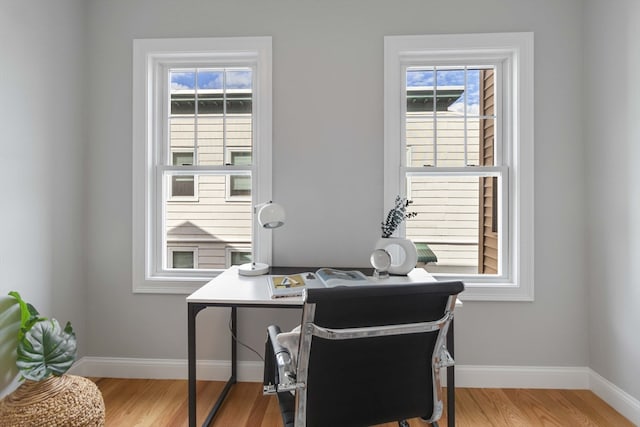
{"x":373,"y":379}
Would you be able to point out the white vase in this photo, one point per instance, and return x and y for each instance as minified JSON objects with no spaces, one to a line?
{"x":404,"y":255}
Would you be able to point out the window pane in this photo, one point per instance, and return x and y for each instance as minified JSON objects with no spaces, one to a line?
{"x":182,"y":186}
{"x":182,"y":259}
{"x":456,"y":221}
{"x":210,"y":79}
{"x":451,"y":141}
{"x":182,"y":83}
{"x":240,"y":158}
{"x":450,"y":115}
{"x":419,"y":130}
{"x":210,"y":223}
{"x":211,"y":108}
{"x":182,"y":132}
{"x":183,"y":158}
{"x":239,"y":258}
{"x":240,"y":185}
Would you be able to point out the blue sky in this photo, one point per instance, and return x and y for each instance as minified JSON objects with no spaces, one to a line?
{"x":241,"y":79}
{"x":210,"y":79}
{"x":454,"y":77}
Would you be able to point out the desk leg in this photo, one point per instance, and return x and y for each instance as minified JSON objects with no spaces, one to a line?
{"x":234,"y":343}
{"x":234,"y":369}
{"x":193,"y":310}
{"x":451,"y":382}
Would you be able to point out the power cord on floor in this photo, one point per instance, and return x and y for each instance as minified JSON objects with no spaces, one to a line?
{"x":241,"y":343}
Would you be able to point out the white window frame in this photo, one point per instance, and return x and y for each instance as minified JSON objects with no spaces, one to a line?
{"x":149,"y":57}
{"x":514,"y":53}
{"x":192,"y":249}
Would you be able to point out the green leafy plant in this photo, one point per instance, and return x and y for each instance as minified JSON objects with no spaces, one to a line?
{"x":44,"y":348}
{"x":396,"y":215}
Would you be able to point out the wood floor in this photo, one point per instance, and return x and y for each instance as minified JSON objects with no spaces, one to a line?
{"x":158,"y":403}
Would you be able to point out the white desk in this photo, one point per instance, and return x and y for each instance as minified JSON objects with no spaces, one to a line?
{"x":230,"y":289}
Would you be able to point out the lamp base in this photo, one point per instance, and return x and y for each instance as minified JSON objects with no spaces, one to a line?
{"x":253,"y":269}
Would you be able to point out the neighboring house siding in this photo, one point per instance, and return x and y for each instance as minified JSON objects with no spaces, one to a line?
{"x":488,"y":236}
{"x":447,"y":222}
{"x":212,"y":221}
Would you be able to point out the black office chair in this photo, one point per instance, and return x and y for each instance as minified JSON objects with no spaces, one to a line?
{"x":367,"y":355}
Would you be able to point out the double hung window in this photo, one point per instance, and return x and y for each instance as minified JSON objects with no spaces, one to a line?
{"x":202,"y":157}
{"x":458,"y":143}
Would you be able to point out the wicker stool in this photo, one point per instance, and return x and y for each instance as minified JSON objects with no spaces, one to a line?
{"x":68,"y":401}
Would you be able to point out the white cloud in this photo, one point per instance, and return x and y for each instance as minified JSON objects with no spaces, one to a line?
{"x":458,"y":107}
{"x":178,"y":86}
{"x":241,"y":79}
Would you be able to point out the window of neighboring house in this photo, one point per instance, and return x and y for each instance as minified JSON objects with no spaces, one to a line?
{"x":183,"y":258}
{"x":202,"y":133}
{"x":238,"y":187}
{"x":459,"y":144}
{"x":238,"y":256}
{"x":183,"y":187}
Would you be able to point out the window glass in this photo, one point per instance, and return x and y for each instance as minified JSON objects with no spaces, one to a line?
{"x":240,"y":257}
{"x":210,"y":109}
{"x":447,"y":131}
{"x":210,"y":114}
{"x":240,"y":185}
{"x":182,"y":259}
{"x":182,"y":186}
{"x":448,"y":124}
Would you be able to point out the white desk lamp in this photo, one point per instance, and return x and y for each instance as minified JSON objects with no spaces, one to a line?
{"x":270,"y":215}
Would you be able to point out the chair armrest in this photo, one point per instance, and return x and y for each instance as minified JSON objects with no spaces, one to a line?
{"x":278,"y":360}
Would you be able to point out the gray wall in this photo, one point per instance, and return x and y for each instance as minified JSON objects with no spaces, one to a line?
{"x":613,"y":139}
{"x":42,"y":142}
{"x":332,"y":51}
{"x":66,"y":144}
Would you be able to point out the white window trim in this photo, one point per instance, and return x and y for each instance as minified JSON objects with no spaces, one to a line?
{"x":517,"y":50}
{"x":147,"y":275}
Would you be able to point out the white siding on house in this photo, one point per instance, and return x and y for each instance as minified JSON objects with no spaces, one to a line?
{"x":212,"y":220}
{"x":447,"y":207}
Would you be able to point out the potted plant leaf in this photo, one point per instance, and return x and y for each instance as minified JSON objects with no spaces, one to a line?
{"x":44,"y":353}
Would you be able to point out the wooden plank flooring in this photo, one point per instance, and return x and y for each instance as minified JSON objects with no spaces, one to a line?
{"x":158,"y":403}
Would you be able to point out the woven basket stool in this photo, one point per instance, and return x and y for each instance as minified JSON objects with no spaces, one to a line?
{"x":65,"y":401}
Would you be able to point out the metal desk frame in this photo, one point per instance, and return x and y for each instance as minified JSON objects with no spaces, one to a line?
{"x":196,"y":306}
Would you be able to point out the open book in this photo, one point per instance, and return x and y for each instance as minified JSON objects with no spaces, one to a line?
{"x":294,"y":284}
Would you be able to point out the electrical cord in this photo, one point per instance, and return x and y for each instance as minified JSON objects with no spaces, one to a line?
{"x":241,"y":343}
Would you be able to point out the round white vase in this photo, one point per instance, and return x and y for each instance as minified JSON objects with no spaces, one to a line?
{"x":404,"y":255}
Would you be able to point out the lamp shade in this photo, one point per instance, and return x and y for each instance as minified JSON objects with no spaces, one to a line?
{"x":271,"y":215}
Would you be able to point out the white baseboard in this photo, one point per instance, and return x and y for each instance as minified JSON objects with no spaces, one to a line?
{"x":477,"y":376}
{"x":472,"y":376}
{"x":620,"y":400}
{"x":164,"y":369}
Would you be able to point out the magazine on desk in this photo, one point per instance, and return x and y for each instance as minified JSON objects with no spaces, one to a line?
{"x":294,"y":284}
